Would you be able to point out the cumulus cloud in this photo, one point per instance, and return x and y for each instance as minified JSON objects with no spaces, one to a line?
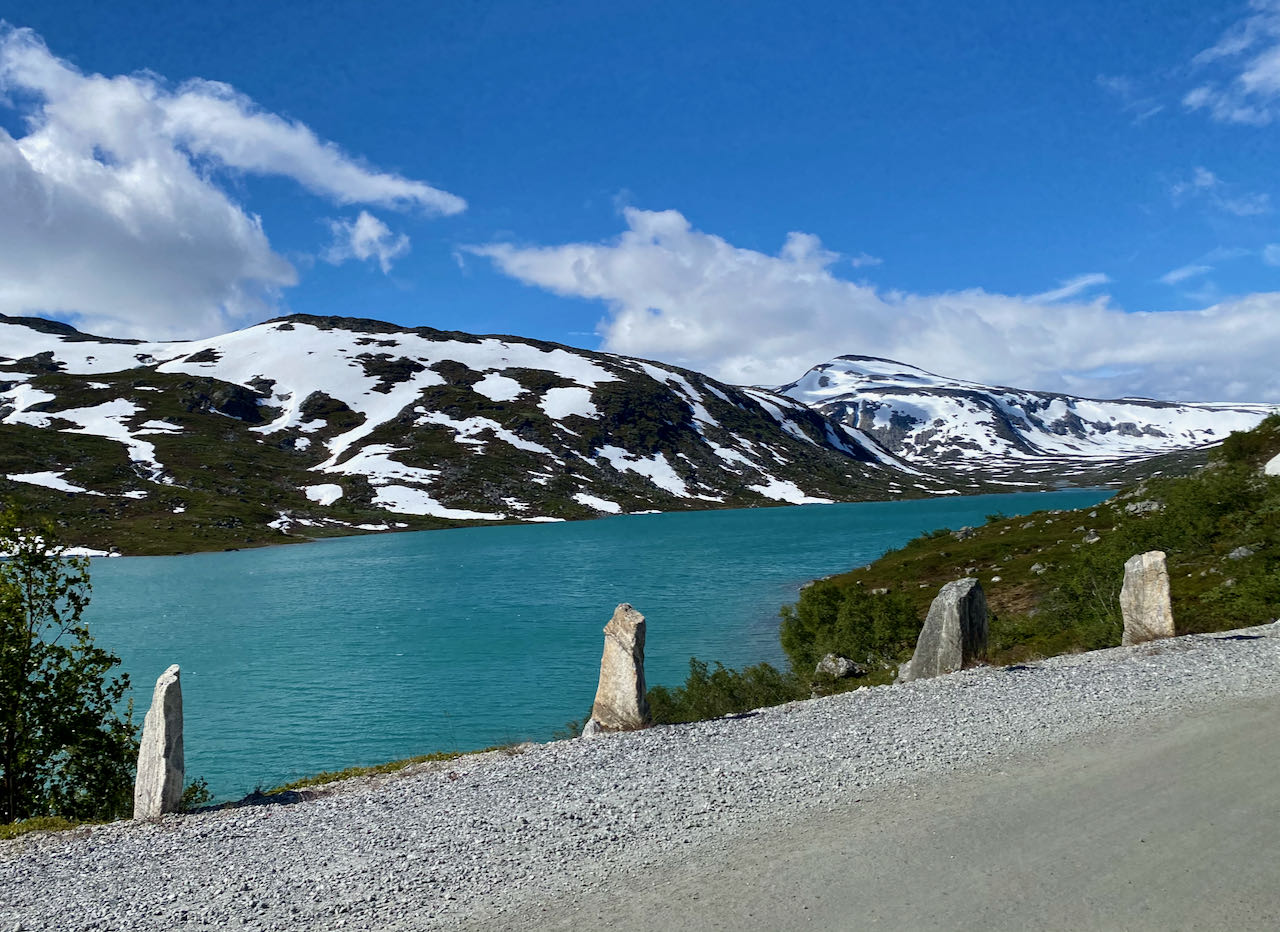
{"x":685,"y":296}
{"x":1244,"y":64}
{"x":113,"y":212}
{"x":365,"y":238}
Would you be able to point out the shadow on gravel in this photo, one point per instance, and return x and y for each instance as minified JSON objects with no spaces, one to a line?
{"x":1018,"y":668}
{"x":1242,"y":637}
{"x":258,"y":798}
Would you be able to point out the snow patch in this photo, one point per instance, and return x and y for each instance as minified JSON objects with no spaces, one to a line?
{"x":324,"y":494}
{"x":499,"y":387}
{"x":49,"y":480}
{"x":782,"y":490}
{"x":559,"y":403}
{"x":599,"y":504}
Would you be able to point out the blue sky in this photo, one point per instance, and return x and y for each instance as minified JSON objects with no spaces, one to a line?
{"x":990,"y":190}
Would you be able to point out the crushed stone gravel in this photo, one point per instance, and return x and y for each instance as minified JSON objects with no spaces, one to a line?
{"x":457,"y":843}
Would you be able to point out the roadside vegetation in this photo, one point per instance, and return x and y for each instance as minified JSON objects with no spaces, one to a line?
{"x":1052,"y":582}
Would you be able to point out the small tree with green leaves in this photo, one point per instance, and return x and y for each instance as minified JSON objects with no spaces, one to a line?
{"x":65,"y":750}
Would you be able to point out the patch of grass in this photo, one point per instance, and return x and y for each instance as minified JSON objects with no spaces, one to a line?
{"x":333,"y":776}
{"x":38,"y":824}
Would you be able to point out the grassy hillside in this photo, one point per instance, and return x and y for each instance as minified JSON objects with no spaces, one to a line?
{"x":1052,"y":580}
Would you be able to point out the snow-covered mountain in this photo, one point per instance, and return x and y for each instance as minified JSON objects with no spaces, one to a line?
{"x":966,"y":427}
{"x":305,"y":424}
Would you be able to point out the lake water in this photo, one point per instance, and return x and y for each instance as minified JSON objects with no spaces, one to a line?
{"x":365,"y":649}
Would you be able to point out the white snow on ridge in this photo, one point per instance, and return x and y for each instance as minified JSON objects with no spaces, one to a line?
{"x":599,"y":504}
{"x":107,"y":420}
{"x":692,"y":396}
{"x":324,"y":494}
{"x":559,"y":403}
{"x":655,"y":468}
{"x":22,"y":398}
{"x":498,"y":387}
{"x":468,"y":429}
{"x":784,"y":491}
{"x":50,"y":480}
{"x":407,"y":501}
{"x":968,"y":420}
{"x":375,"y":462}
{"x":772,"y":405}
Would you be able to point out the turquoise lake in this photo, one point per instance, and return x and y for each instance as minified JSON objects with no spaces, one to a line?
{"x":366,"y":649}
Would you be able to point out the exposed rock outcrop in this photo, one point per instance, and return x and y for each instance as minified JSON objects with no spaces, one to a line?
{"x":954,"y":634}
{"x":620,"y":697}
{"x":1144,"y":599}
{"x":158,"y":786}
{"x":839,"y":667}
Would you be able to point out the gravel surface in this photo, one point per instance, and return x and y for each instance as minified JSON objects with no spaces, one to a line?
{"x":464,"y":842}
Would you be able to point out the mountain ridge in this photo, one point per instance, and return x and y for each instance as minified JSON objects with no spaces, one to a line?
{"x":307,"y":426}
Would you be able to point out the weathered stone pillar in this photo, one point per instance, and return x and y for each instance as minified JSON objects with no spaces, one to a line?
{"x":158,"y":786}
{"x":1144,"y":599}
{"x":620,"y":703}
{"x":954,"y":633}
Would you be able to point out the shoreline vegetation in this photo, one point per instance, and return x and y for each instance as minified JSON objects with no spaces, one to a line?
{"x":1052,"y":581}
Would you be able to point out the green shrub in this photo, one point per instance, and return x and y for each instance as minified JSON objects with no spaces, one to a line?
{"x":711,"y":693}
{"x":849,"y":621}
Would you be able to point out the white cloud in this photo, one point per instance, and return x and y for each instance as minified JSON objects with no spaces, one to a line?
{"x":1271,"y":254}
{"x":864,"y":260}
{"x":1207,"y":188}
{"x":365,"y":238}
{"x":1125,"y":90}
{"x":1246,"y":60}
{"x":1071,"y":288}
{"x":113,"y":210}
{"x":678,"y":294}
{"x":1185,"y":272}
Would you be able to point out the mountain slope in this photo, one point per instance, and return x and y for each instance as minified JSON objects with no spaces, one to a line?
{"x":310,"y":425}
{"x":1002,"y":434}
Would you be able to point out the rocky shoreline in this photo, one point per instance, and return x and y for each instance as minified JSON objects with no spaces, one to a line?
{"x":464,"y":842}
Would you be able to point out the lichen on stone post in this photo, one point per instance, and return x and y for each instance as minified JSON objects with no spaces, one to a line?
{"x":158,"y":787}
{"x":621,"y":703}
{"x":954,"y":633}
{"x":1144,"y":599}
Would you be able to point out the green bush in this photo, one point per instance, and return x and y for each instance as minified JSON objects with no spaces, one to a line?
{"x":714,"y":693}
{"x":849,"y":621}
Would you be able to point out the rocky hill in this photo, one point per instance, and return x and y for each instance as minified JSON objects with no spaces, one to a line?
{"x":1006,"y":435}
{"x":305,"y":426}
{"x":308,"y":426}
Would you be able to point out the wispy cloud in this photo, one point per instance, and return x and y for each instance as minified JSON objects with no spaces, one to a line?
{"x":1071,"y":288}
{"x":1185,"y":272}
{"x":1243,"y":85}
{"x":116,"y":209}
{"x":1206,"y":187}
{"x":365,"y":238}
{"x":677,"y":293}
{"x":1124,"y":90}
{"x":862,"y":260}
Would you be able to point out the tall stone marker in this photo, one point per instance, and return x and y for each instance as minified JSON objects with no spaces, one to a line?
{"x":158,"y":787}
{"x":620,"y":698}
{"x":954,"y":633}
{"x":1144,"y":599}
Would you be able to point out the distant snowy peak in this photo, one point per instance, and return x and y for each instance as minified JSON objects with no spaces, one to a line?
{"x":935,"y":420}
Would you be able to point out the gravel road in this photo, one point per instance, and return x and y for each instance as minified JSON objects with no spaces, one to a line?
{"x":504,"y":839}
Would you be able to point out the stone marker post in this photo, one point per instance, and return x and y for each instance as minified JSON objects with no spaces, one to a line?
{"x":1144,"y":599}
{"x":620,"y":703}
{"x":954,"y":633}
{"x":158,"y":787}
